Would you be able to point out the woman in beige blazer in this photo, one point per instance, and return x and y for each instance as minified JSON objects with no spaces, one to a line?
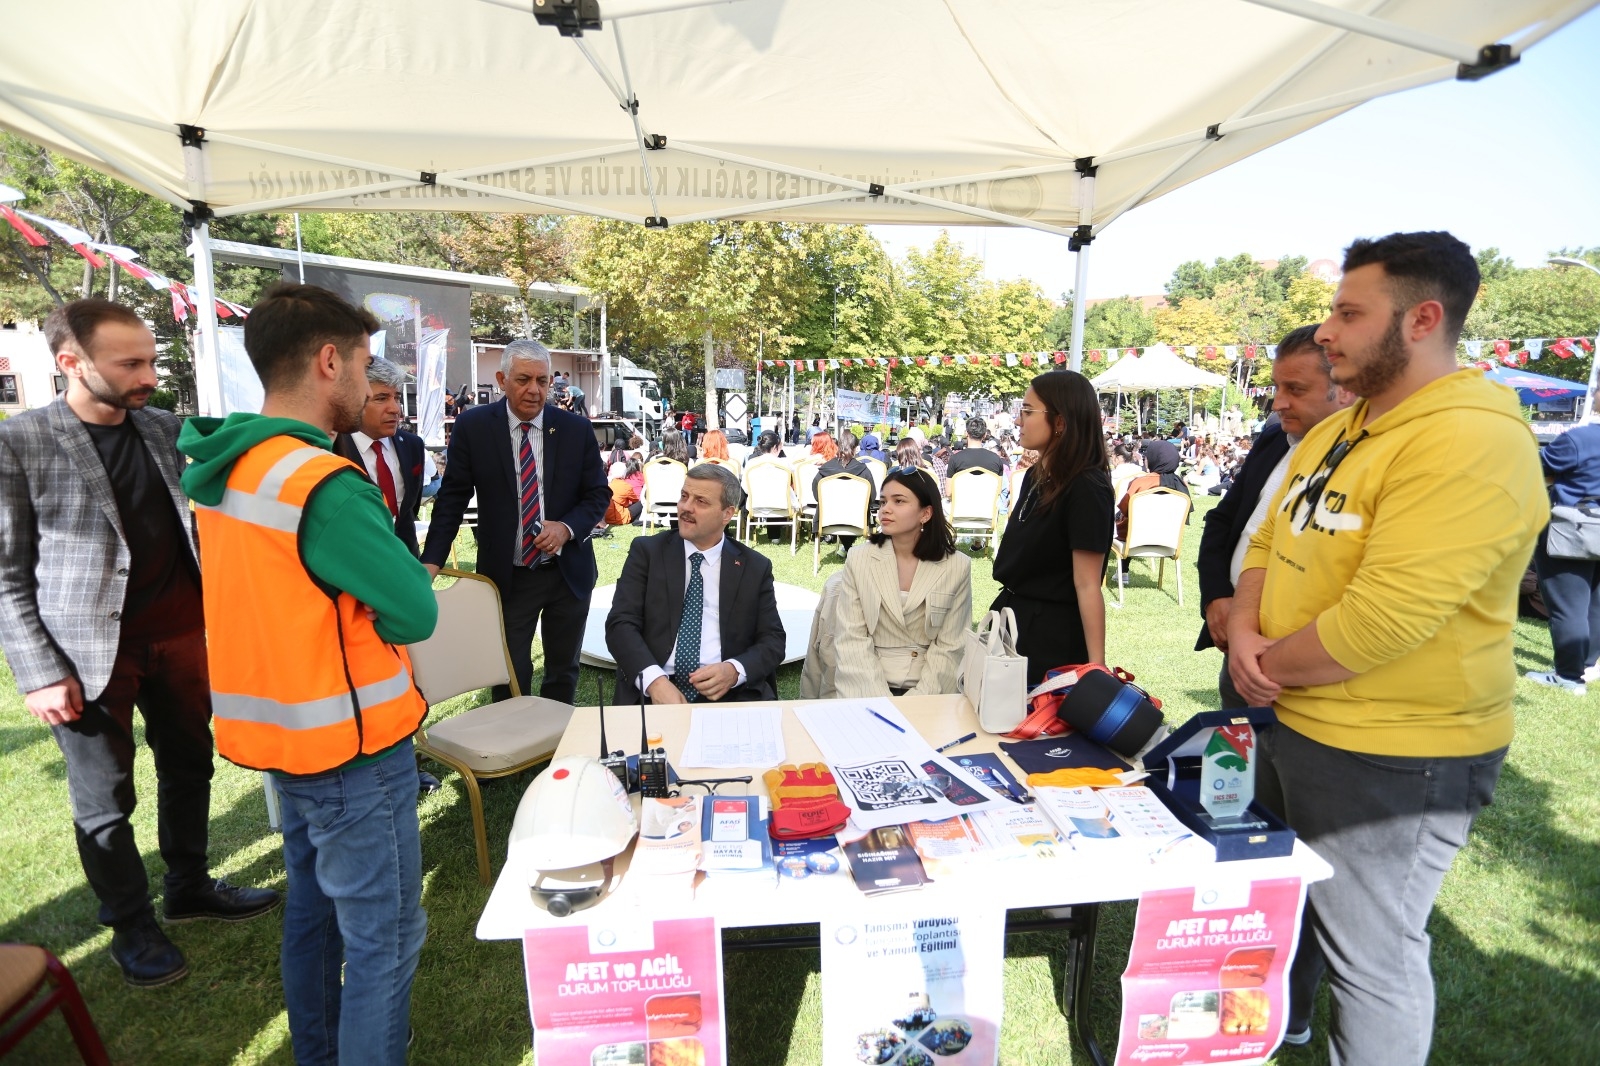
{"x":905,"y":605}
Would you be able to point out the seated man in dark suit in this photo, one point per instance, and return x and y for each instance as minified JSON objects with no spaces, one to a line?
{"x":541,"y":491}
{"x":695,"y":616}
{"x":393,"y":458}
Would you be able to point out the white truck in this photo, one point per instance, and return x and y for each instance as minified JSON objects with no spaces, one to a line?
{"x":631,"y":392}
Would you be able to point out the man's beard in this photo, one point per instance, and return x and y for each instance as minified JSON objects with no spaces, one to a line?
{"x":347,"y":411}
{"x":1387,"y":360}
{"x":132,"y":400}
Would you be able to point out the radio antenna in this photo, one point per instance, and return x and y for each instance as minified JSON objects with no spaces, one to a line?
{"x":600,"y":698}
{"x":644,"y":732}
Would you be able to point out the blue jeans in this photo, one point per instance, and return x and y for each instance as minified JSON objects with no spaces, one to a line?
{"x":354,"y":858}
{"x":1390,"y":826}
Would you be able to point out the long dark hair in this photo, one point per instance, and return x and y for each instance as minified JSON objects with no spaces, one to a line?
{"x":936,"y":541}
{"x":1080,"y":445}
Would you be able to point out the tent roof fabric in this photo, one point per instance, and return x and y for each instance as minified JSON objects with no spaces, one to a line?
{"x":1158,"y":368}
{"x":1535,"y":388}
{"x":970,"y":111}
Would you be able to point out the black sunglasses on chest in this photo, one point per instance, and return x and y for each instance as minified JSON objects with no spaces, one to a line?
{"x":1318,"y":484}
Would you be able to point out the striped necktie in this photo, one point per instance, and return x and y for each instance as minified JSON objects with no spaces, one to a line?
{"x":686,"y":658}
{"x":528,"y":475}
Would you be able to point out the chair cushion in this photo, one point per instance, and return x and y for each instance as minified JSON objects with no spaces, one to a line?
{"x":21,"y":968}
{"x":502,"y":735}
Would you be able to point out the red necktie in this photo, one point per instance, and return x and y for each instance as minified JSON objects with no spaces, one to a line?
{"x":385,"y":479}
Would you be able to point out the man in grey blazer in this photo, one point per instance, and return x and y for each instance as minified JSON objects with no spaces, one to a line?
{"x":100,"y":612}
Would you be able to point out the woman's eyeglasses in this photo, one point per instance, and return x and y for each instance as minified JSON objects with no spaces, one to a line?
{"x":1312,"y":496}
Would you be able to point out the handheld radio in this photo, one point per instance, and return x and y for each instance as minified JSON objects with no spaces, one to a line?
{"x":652,"y":761}
{"x":615,"y":761}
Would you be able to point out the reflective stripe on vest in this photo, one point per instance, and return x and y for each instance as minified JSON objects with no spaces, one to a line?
{"x":301,"y":681}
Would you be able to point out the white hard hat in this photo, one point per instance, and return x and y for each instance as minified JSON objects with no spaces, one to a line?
{"x":573,"y":814}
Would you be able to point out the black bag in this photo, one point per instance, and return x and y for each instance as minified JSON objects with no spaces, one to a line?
{"x":1109,"y":712}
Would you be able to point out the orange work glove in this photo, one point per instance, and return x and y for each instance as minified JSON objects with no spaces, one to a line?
{"x":805,"y":802}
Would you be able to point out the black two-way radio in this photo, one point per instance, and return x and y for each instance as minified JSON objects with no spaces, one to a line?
{"x":652,"y":761}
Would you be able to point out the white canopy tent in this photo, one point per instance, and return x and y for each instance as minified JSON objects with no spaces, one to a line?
{"x":1057,"y":115}
{"x":1158,"y":368}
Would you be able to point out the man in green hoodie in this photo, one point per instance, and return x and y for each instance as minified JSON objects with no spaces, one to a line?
{"x":1375,"y":613}
{"x":313,"y":601}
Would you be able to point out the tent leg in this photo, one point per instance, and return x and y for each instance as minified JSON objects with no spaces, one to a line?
{"x":207,"y":361}
{"x":1080,"y":245}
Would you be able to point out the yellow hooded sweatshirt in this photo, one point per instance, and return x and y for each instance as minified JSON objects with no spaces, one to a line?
{"x":1409,"y":566}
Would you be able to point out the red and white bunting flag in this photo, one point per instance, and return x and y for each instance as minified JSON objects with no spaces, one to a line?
{"x":1502,"y":348}
{"x":1584,"y":343}
{"x":1094,"y":355}
{"x":994,"y":360}
{"x":1027,"y":360}
{"x":79,"y":240}
{"x":29,"y":234}
{"x":180,"y":307}
{"x":1061,"y":357}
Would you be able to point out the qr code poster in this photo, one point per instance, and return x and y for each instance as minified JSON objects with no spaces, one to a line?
{"x":887,"y":784}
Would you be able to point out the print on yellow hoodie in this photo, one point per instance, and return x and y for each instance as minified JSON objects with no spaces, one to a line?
{"x":1409,"y":565}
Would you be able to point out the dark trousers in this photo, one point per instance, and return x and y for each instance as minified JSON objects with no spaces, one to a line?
{"x":1571,"y":591}
{"x":169,"y":683}
{"x":541,"y":593}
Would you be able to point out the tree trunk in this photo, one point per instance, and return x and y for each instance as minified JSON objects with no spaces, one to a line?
{"x":709,"y":347}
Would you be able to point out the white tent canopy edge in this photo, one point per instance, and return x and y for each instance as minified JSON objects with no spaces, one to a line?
{"x":1009,"y":145}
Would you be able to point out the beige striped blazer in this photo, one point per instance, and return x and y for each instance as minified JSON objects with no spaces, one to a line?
{"x":879,"y":644}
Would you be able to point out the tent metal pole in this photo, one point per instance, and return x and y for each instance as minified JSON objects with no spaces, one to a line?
{"x":261,"y":206}
{"x":542,"y":201}
{"x":1377,"y":28}
{"x":1549,"y":26}
{"x":1080,"y":244}
{"x":207,"y":356}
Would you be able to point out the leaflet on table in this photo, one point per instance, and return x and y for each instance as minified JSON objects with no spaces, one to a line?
{"x":736,"y":840}
{"x":1207,"y":977}
{"x":1114,"y":820}
{"x":884,"y":860}
{"x":669,"y":848}
{"x":733,"y":737}
{"x":921,"y":987}
{"x":615,"y":993}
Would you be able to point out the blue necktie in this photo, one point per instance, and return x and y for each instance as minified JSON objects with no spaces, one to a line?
{"x":686,"y":659}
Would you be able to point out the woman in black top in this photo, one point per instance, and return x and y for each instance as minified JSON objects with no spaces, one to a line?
{"x":1053,"y":558}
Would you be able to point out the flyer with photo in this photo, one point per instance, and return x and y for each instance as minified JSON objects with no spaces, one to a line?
{"x":1208,"y":974}
{"x":627,"y":994}
{"x":913,"y":987}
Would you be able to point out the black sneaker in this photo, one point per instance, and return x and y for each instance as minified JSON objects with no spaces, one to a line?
{"x":218,"y":901}
{"x":148,"y":959}
{"x":1298,"y":1037}
{"x":427,"y":784}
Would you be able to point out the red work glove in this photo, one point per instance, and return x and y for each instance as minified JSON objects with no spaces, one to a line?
{"x":805,"y":802}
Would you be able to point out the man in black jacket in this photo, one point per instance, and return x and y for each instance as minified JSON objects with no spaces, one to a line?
{"x":393,"y":458}
{"x":1304,"y":395}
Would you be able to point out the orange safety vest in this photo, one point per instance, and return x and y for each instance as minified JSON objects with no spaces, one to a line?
{"x":300,"y":679}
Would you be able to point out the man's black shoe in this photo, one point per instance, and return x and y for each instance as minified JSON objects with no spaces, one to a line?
{"x":427,"y":784}
{"x":148,"y":959}
{"x":219,"y":901}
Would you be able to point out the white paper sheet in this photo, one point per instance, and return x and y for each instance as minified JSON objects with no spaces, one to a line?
{"x":874,"y":752}
{"x":733,"y":738}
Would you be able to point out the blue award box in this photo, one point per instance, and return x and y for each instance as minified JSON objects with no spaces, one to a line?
{"x":1194,"y":760}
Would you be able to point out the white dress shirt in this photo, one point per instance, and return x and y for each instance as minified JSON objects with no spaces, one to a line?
{"x":710,"y":618}
{"x":392,"y":456}
{"x":1269,"y":489}
{"x":536,"y":438}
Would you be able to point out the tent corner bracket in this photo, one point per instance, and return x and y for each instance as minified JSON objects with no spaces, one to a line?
{"x":191,"y":136}
{"x":1491,"y":59}
{"x":1081,"y":238}
{"x":1085,"y":166}
{"x":569,"y":17}
{"x":199,"y":213}
{"x":655,"y":222}
{"x":655,"y":142}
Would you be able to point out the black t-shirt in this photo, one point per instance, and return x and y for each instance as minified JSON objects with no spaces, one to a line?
{"x":163,"y":593}
{"x":975,"y":455}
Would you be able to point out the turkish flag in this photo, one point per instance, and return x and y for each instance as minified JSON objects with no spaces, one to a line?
{"x":1061,"y":357}
{"x":1502,"y":348}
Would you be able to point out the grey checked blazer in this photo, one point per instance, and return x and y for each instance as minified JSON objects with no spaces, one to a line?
{"x":63,"y":556}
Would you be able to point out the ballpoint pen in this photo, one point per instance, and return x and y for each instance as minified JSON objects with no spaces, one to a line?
{"x":957,"y":742}
{"x":884,"y":720}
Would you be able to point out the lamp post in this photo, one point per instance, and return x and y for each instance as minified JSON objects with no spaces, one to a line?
{"x":1594,"y":358}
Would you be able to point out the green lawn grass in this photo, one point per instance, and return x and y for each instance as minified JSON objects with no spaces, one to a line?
{"x":1516,"y":933}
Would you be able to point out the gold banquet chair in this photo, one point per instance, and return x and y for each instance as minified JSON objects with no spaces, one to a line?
{"x":843,"y":504}
{"x":975,"y":504}
{"x":1156,"y":518}
{"x":663,"y":484}
{"x":467,"y":652}
{"x":771,"y":501}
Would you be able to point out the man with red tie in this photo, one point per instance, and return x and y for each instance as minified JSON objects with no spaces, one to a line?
{"x":394,"y":460}
{"x":541,"y":489}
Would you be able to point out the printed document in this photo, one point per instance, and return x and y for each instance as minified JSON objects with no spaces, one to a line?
{"x":734,"y":738}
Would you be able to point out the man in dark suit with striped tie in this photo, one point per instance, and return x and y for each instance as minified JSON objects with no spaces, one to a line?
{"x":541,"y":490}
{"x":394,"y":459}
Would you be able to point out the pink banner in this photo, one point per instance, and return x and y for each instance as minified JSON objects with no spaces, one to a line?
{"x":613,"y":996}
{"x":1207,"y":977}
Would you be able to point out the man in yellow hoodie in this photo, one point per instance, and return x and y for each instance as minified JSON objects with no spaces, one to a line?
{"x":1375,"y":613}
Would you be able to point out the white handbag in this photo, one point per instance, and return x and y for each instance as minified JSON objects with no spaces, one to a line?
{"x":994,"y":678}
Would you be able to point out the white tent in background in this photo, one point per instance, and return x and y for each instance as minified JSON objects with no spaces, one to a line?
{"x":1158,"y":368}
{"x":1056,"y":115}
